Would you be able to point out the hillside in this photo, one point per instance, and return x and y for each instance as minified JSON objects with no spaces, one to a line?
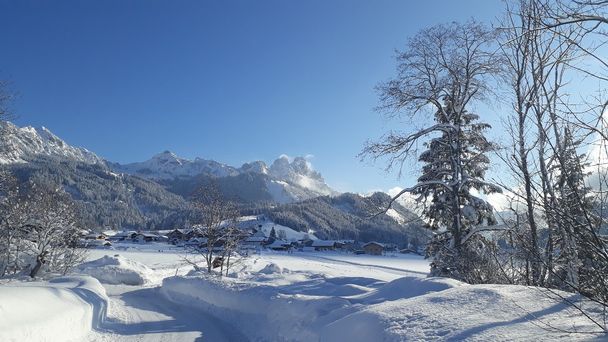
{"x":349,"y":216}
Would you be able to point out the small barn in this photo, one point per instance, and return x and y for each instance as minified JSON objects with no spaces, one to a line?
{"x":373,"y":248}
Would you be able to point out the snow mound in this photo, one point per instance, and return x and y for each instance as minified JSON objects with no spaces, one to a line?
{"x":262,"y":313}
{"x":471,"y":313}
{"x":271,"y":269}
{"x":117,"y":270}
{"x":407,"y":287}
{"x":63,"y":309}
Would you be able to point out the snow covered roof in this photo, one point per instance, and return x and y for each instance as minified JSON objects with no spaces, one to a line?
{"x":125,"y":233}
{"x":323,"y":243}
{"x":279,"y":244}
{"x":374,"y":243}
{"x":255,"y":239}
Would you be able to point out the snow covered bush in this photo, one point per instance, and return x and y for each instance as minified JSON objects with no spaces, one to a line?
{"x":38,"y":231}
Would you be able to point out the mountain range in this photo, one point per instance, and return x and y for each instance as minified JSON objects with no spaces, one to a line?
{"x":154,"y":193}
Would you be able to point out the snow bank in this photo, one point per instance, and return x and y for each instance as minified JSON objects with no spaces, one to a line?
{"x":261,"y":313}
{"x":406,"y":287}
{"x":472,"y":313}
{"x":117,"y":270}
{"x":64,"y":309}
{"x":271,"y":268}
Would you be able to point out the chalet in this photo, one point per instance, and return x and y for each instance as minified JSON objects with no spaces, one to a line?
{"x":124,"y":235}
{"x":279,"y":245}
{"x":95,"y":236}
{"x":176,"y":235}
{"x":255,"y":241}
{"x":373,"y":248}
{"x":145,"y":237}
{"x":84,"y":243}
{"x":325,"y":245}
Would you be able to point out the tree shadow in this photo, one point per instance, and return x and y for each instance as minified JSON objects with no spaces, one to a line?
{"x":526,"y":317}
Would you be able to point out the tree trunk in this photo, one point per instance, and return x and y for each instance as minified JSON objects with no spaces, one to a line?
{"x":39,"y":262}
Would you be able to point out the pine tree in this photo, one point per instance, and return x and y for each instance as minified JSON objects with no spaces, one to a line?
{"x":454,"y":163}
{"x":578,"y":266}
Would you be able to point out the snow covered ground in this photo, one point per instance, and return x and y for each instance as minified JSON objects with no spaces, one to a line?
{"x":276,"y":296}
{"x":64,"y":309}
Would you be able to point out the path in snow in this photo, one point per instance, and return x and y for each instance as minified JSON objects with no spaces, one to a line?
{"x":143,"y":314}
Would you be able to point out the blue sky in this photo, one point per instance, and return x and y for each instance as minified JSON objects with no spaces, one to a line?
{"x":232,"y":81}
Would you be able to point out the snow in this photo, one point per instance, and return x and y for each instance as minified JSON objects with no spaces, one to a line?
{"x":300,"y":296}
{"x":290,"y":234}
{"x":45,"y":311}
{"x":116,"y":270}
{"x":395,"y":215}
{"x":472,"y":313}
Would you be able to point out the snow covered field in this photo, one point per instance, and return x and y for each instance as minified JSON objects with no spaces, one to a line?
{"x":276,"y":296}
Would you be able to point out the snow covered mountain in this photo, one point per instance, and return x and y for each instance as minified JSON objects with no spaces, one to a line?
{"x":167,"y":165}
{"x":26,"y":143}
{"x":285,"y":181}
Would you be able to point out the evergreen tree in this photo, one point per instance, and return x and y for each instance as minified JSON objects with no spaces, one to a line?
{"x":577,"y":265}
{"x":454,"y":163}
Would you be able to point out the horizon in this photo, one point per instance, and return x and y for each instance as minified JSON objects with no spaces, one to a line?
{"x":233,"y":82}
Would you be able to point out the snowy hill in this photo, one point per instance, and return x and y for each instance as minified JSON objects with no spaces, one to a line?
{"x":26,"y":143}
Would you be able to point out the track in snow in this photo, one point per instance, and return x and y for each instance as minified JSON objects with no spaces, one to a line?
{"x":143,"y":314}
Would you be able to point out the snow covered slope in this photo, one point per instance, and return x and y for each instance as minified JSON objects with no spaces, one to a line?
{"x":64,"y":309}
{"x":25,"y":143}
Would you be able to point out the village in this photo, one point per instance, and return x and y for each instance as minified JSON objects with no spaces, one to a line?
{"x":255,"y":234}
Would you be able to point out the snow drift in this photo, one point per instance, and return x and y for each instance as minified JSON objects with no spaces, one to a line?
{"x":117,"y":270}
{"x":64,"y":309}
{"x":471,"y":313}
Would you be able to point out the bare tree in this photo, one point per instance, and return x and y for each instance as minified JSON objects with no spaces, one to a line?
{"x":217,"y":217}
{"x":51,"y":229}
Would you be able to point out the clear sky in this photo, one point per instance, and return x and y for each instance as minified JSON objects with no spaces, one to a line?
{"x":233,"y":81}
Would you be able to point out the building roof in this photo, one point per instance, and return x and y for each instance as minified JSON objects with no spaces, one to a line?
{"x":323,"y":243}
{"x":373,"y":243}
{"x":279,"y":244}
{"x":256,"y":239}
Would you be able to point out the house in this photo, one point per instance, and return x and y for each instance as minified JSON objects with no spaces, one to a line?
{"x":84,"y":243}
{"x":279,"y":245}
{"x":373,"y":248}
{"x":145,"y":237}
{"x":255,"y":241}
{"x":176,"y":235}
{"x":95,"y":236}
{"x":124,"y":235}
{"x":325,"y":245}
